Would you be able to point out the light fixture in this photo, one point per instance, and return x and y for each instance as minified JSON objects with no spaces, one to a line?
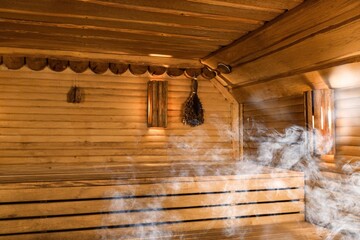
{"x":157,"y":104}
{"x":160,"y":55}
{"x":319,"y":121}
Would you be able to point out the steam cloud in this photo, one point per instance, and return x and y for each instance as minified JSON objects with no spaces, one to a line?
{"x":332,"y":200}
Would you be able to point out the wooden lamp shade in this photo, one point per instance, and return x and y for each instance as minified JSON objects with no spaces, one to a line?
{"x":157,"y":104}
{"x":319,"y":117}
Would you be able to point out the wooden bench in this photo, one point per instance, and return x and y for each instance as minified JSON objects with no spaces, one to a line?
{"x":48,"y":203}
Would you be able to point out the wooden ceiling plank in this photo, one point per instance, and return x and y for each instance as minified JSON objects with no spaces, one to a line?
{"x":316,"y":33}
{"x":127,"y":55}
{"x":195,"y":9}
{"x":125,"y":32}
{"x":103,"y":35}
{"x":38,"y":40}
{"x":121,"y":26}
{"x":273,"y":4}
{"x":106,"y":56}
{"x":89,"y":10}
{"x":101,"y":56}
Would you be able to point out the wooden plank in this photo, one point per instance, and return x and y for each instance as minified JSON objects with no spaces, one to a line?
{"x":277,"y":4}
{"x":103,"y":55}
{"x":279,"y":110}
{"x":346,"y":93}
{"x":275,"y":103}
{"x":156,"y":160}
{"x":348,"y":150}
{"x":109,"y":205}
{"x":117,"y":219}
{"x":168,"y":188}
{"x":122,"y":13}
{"x":347,"y":141}
{"x":122,"y":232}
{"x":347,"y":122}
{"x":348,"y":131}
{"x":348,"y":113}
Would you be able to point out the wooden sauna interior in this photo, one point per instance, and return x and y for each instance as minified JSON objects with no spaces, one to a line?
{"x":278,"y":155}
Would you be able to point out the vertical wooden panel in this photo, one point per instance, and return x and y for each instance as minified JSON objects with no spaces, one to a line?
{"x":157,"y":104}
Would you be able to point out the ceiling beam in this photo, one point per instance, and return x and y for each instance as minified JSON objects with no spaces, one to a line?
{"x":315,"y":35}
{"x":102,"y":56}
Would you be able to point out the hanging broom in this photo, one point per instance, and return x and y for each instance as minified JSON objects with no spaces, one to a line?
{"x":193,"y":113}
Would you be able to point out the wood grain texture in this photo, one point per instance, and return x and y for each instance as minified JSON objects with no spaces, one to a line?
{"x":129,"y":204}
{"x":347,"y":127}
{"x":113,"y":114}
{"x":309,"y":37}
{"x":36,"y":64}
{"x":263,"y":120}
{"x":186,"y":30}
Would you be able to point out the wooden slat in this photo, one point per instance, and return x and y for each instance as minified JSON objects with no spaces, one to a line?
{"x":143,"y":217}
{"x":275,"y":103}
{"x":98,"y":206}
{"x":168,"y":188}
{"x":122,"y":232}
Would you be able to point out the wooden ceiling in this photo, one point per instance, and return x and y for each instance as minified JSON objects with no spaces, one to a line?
{"x":318,"y":34}
{"x":140,"y":31}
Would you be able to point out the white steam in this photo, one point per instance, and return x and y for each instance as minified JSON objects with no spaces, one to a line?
{"x":332,"y":200}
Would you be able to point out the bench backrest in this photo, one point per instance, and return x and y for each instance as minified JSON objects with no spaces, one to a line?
{"x":114,"y":209}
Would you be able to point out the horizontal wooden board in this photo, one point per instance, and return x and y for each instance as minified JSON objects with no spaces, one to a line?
{"x":112,"y":205}
{"x":347,"y":141}
{"x":168,"y":188}
{"x":280,"y":110}
{"x":276,"y":103}
{"x":179,"y":228}
{"x":60,"y":223}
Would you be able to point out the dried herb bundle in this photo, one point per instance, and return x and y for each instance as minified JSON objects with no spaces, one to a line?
{"x":74,"y":95}
{"x":193,"y":113}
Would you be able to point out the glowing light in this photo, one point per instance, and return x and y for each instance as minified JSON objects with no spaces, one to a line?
{"x":160,"y":55}
{"x":313,"y":121}
{"x":322,"y":118}
{"x":329,"y":117}
{"x":345,"y":76}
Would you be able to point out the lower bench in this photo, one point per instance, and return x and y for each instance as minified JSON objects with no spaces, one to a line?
{"x":149,"y":207}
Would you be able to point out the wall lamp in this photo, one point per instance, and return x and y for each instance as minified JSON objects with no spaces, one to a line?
{"x":157,"y":104}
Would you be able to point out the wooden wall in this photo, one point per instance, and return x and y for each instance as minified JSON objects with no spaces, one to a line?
{"x":266,"y":119}
{"x":347,"y":104}
{"x":38,"y":126}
